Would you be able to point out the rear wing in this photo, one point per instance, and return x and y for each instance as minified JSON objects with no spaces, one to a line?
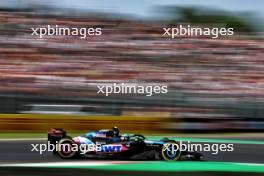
{"x":55,"y":134}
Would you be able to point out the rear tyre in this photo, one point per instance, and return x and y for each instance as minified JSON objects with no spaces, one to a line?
{"x":67,"y":148}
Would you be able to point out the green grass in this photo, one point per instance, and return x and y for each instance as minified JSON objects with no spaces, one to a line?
{"x":20,"y":135}
{"x":177,"y":137}
{"x":206,"y":140}
{"x":25,"y":134}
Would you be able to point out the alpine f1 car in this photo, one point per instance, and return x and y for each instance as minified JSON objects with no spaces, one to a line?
{"x":110,"y":144}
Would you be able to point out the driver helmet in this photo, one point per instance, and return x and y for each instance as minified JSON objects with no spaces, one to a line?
{"x":116,"y":131}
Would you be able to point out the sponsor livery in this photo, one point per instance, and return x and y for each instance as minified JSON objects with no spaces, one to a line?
{"x":110,"y":148}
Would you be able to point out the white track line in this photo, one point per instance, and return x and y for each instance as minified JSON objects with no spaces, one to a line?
{"x":75,"y":163}
{"x":251,"y":164}
{"x":59,"y":164}
{"x":24,"y":139}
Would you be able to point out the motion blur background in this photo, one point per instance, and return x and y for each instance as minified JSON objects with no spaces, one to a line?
{"x":214,"y":84}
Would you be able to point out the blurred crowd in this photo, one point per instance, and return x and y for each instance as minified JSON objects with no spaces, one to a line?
{"x":128,"y":50}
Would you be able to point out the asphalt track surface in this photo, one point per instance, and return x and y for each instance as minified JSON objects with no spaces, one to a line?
{"x":15,"y":152}
{"x":20,"y":152}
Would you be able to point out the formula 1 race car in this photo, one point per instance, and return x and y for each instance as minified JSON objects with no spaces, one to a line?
{"x":109,"y":144}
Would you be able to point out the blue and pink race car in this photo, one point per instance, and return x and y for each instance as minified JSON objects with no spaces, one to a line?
{"x":109,"y":144}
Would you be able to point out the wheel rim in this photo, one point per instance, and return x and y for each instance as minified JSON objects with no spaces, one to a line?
{"x":170,"y":151}
{"x":69,"y":153}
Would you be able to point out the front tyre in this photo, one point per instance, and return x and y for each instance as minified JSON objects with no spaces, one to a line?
{"x":170,"y":151}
